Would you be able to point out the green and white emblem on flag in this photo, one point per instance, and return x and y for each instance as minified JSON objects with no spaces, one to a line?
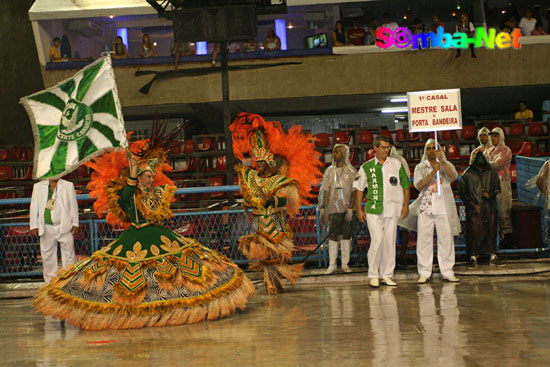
{"x":75,"y":121}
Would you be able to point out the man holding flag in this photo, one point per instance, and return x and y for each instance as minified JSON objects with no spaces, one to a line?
{"x":72,"y":122}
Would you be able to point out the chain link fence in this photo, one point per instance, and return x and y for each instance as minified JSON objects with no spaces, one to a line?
{"x":219,"y":230}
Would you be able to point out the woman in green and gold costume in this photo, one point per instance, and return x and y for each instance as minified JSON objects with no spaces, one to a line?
{"x":285,"y":167}
{"x":150,"y":276}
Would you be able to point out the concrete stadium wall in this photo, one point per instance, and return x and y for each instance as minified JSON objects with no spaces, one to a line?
{"x":372,"y":73}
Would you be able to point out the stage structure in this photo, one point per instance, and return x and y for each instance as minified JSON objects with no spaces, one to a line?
{"x":220,"y":21}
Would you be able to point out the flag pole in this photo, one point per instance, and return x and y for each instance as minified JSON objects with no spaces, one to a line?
{"x":437,"y":160}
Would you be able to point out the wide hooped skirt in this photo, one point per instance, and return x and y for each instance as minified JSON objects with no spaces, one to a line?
{"x":148,"y":277}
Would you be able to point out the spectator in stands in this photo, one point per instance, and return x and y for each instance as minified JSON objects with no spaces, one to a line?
{"x":339,"y":36}
{"x":337,"y":203}
{"x":436,"y":23}
{"x":511,"y":22}
{"x":231,"y":48}
{"x":250,"y":46}
{"x":387,"y":199}
{"x":388,"y":22}
{"x":408,"y":20}
{"x":538,"y":31}
{"x":370,"y":38}
{"x":435,"y":209}
{"x":53,"y":216}
{"x":484,"y":141}
{"x":478,"y":188}
{"x":356,"y":34}
{"x":272,"y":42}
{"x":53,"y":53}
{"x":500,"y":157}
{"x":147,"y":48}
{"x":527,"y":23}
{"x":465,"y":26}
{"x":120,"y":50}
{"x":65,"y":48}
{"x":181,"y":49}
{"x":546,"y":110}
{"x":524,"y":114}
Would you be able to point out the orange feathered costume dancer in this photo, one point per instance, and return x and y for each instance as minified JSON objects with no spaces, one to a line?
{"x":277,"y":188}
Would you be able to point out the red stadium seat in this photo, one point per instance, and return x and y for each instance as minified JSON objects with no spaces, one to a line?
{"x":188,"y":146}
{"x":4,"y":154}
{"x":207,"y":144}
{"x":516,"y":129}
{"x":322,"y":140}
{"x":525,"y":149}
{"x":453,"y":152}
{"x":400,"y":136}
{"x":27,"y":175}
{"x":413,"y":136}
{"x":386,"y":133}
{"x":535,"y":129}
{"x":369,"y":154}
{"x":236,"y":182}
{"x":449,"y":135}
{"x":341,"y":137}
{"x":469,"y":132}
{"x":220,"y":164}
{"x":6,"y":173}
{"x":366,"y":137}
{"x":216,"y":181}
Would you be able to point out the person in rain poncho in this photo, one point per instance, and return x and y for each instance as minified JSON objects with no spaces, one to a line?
{"x":484,"y":141}
{"x":432,"y":209}
{"x":500,"y":157}
{"x":337,"y":200}
{"x":478,"y":188}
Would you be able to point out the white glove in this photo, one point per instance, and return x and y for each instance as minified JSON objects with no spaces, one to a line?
{"x":349,"y":215}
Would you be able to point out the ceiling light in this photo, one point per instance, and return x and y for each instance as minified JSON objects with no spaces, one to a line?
{"x":395,"y":110}
{"x":398,"y":100}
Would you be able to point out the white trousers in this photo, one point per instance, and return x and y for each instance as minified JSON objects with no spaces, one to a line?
{"x":425,"y":245}
{"x":48,"y":250}
{"x":383,"y":231}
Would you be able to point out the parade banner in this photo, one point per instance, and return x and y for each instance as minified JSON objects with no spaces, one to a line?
{"x":434,"y":110}
{"x":75,"y":121}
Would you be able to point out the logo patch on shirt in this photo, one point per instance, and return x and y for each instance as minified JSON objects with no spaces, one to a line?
{"x":393,"y":180}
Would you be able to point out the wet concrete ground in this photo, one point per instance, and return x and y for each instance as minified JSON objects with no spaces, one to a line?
{"x":479,"y":322}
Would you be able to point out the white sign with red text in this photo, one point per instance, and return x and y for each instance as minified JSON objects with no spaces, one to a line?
{"x":434,"y":110}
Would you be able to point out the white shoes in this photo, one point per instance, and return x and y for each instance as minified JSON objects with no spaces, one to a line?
{"x":346,"y":269}
{"x":452,"y":279}
{"x":374,"y":282}
{"x":389,"y":281}
{"x":331,"y":269}
{"x":422,"y":280}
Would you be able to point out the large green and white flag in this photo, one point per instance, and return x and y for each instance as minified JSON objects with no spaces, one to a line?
{"x":76,"y":120}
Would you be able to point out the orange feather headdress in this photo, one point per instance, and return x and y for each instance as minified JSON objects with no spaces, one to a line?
{"x":294,"y":151}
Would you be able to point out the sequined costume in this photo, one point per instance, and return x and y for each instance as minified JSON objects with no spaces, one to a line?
{"x":293,"y":167}
{"x":149,"y":276}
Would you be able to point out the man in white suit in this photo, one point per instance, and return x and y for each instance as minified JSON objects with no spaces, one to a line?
{"x":54,"y":217}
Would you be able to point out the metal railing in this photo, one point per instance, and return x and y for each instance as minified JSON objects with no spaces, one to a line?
{"x":219,"y":230}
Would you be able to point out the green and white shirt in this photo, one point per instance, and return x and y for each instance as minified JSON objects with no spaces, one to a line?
{"x":385,"y":183}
